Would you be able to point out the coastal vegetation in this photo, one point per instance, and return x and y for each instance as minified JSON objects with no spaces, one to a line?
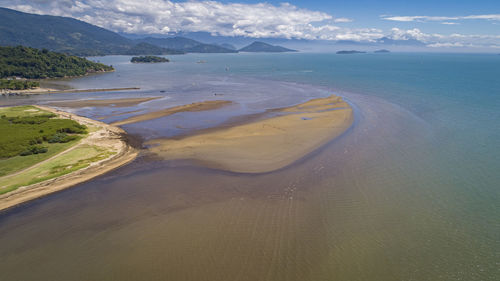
{"x":148,"y":59}
{"x":32,"y":63}
{"x":39,"y":144}
{"x":27,"y":130}
{"x":14,"y":84}
{"x":76,"y":159}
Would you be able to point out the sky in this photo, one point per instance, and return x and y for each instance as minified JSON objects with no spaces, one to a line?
{"x":437,"y":23}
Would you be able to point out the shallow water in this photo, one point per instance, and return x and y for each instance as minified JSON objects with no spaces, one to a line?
{"x":410,"y":192}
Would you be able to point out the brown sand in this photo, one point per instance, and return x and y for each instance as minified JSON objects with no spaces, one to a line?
{"x":106,"y":136}
{"x":197,"y":106}
{"x":264,"y":145}
{"x":99,"y":103}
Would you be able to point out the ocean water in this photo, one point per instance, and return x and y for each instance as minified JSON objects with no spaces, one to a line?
{"x":410,"y":192}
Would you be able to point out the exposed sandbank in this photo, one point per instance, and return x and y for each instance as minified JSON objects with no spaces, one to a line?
{"x":264,"y":145}
{"x":105,"y":136}
{"x":98,"y":103}
{"x":197,"y":106}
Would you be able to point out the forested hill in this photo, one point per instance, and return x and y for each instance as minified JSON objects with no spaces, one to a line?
{"x":32,"y":63}
{"x":186,"y":45}
{"x":66,"y":35}
{"x":256,"y":47}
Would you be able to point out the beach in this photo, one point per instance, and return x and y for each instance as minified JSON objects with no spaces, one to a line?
{"x":264,"y":145}
{"x":103,"y":136}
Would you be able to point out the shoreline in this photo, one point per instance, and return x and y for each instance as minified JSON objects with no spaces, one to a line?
{"x":107,"y":136}
{"x":41,"y":91}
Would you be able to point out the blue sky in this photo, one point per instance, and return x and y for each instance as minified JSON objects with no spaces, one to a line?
{"x":367,"y":12}
{"x":437,"y":23}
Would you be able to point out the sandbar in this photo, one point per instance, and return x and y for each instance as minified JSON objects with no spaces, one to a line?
{"x":263,"y":145}
{"x":104,"y":135}
{"x":197,"y":106}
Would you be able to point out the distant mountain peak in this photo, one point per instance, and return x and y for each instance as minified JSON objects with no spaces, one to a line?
{"x":258,"y":46}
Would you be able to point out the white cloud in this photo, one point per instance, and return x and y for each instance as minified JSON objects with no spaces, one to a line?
{"x":164,"y":16}
{"x":342,"y":20}
{"x":492,"y":17}
{"x":445,"y":45}
{"x":400,"y":34}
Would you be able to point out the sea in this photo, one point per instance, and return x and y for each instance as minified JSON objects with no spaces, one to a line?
{"x":410,"y":192}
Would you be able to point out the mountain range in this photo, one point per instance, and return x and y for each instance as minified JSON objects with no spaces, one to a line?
{"x":75,"y":37}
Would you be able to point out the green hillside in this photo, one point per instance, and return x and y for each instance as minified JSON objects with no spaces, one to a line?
{"x":35,"y":64}
{"x":66,"y":35}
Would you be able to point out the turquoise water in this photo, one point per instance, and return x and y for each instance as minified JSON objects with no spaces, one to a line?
{"x":410,"y":192}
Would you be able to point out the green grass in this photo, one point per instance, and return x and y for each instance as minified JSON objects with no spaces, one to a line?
{"x":18,"y":163}
{"x":24,"y":127}
{"x":21,"y":111}
{"x":80,"y":157}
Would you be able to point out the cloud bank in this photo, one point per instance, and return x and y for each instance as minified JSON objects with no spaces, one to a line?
{"x":163,"y":16}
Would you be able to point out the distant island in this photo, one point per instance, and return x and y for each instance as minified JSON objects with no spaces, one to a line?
{"x":382,"y":51}
{"x":350,"y":52}
{"x":148,"y":59}
{"x":20,"y":63}
{"x":261,"y":47}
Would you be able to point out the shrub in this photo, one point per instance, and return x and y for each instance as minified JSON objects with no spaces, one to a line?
{"x":36,"y":149}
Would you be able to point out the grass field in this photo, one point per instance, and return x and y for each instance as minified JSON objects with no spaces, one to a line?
{"x":18,"y":163}
{"x":36,"y":134}
{"x":74,"y":160}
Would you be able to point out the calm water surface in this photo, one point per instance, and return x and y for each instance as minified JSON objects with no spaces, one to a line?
{"x":410,"y":192}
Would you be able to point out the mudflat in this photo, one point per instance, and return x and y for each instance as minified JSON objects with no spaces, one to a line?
{"x":264,"y":145}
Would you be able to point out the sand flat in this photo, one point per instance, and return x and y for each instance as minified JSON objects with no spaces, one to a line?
{"x":264,"y":145}
{"x":106,"y":102}
{"x":197,"y":106}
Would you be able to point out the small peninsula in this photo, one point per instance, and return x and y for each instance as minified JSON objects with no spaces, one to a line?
{"x":19,"y":66}
{"x":45,"y":150}
{"x":344,"y":52}
{"x":31,"y":63}
{"x":148,"y":59}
